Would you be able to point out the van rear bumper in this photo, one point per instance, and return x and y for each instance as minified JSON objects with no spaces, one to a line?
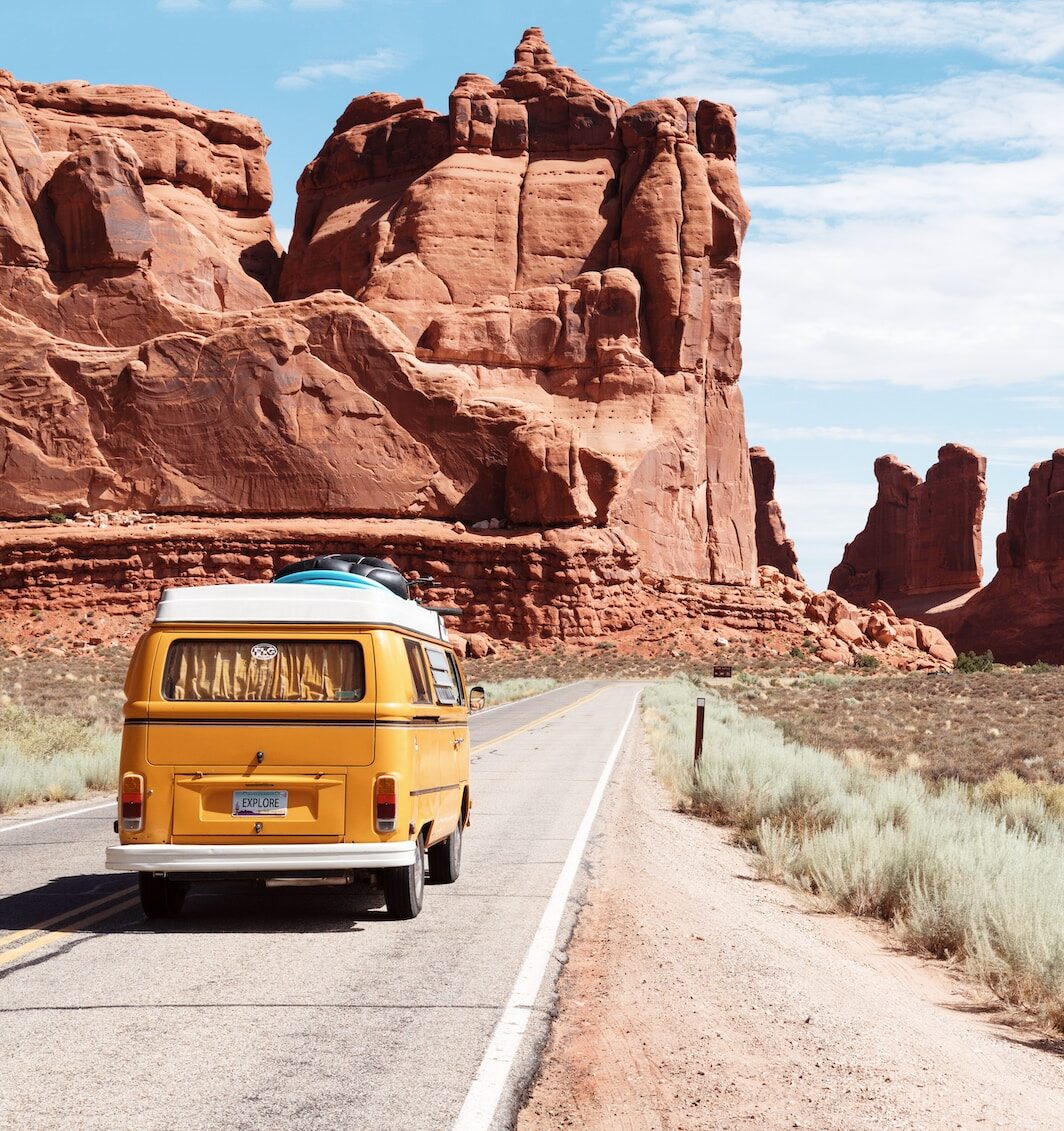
{"x":258,"y":857}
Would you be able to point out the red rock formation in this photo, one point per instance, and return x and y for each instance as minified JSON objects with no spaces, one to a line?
{"x":572,"y":585}
{"x":578,"y":261}
{"x":920,"y":537}
{"x":1019,"y":616}
{"x":120,"y":205}
{"x":774,"y":548}
{"x":526,"y":309}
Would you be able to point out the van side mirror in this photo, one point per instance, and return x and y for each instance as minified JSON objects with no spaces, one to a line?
{"x":477,"y":698}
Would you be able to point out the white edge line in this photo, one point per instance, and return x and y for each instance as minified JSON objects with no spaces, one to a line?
{"x":58,"y":816}
{"x":482,"y":1100}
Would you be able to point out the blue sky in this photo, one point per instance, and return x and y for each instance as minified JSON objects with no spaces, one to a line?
{"x":904,"y":159}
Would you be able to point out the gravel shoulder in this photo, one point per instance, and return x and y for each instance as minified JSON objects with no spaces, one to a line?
{"x":695,"y":996}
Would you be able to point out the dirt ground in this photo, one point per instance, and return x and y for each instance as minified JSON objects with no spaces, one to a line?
{"x":969,"y":727}
{"x":696,"y":997}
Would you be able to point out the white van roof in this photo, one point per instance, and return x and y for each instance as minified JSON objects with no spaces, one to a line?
{"x":295,"y":604}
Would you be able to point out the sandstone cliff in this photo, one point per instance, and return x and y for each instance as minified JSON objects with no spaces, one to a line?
{"x":525,"y":310}
{"x":521,"y":316}
{"x":1019,"y":615}
{"x":921,"y":536}
{"x":774,"y":548}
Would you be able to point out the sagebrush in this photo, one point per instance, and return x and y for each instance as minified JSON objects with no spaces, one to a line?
{"x":960,"y":872}
{"x":53,"y":757}
{"x":509,"y":690}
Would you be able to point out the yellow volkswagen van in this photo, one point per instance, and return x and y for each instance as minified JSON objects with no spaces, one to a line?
{"x":296,"y":731}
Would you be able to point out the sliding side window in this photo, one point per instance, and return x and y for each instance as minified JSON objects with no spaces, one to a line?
{"x":418,"y":672}
{"x":448,"y":693}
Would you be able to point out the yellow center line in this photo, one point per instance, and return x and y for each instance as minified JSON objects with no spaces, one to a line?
{"x":536,"y":722}
{"x":52,"y":936}
{"x":7,"y":939}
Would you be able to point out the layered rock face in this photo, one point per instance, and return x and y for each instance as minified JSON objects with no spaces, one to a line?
{"x":525,"y":309}
{"x":1019,"y":616}
{"x":576,"y":262}
{"x":118,"y":205}
{"x":921,"y":536}
{"x":774,"y":548}
{"x":96,"y":581}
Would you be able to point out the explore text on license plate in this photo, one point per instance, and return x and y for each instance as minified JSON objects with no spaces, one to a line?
{"x":260,"y":802}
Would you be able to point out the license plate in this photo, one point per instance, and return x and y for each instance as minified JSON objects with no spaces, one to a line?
{"x":260,"y":803}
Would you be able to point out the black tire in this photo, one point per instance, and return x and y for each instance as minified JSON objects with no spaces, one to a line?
{"x":161,"y":898}
{"x":445,"y":858}
{"x":404,"y":888}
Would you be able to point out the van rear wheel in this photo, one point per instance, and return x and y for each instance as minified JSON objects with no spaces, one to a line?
{"x":160,"y":897}
{"x":404,"y":888}
{"x":445,"y":858}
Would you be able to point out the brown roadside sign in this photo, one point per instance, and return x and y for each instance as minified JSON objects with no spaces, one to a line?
{"x":722,"y":671}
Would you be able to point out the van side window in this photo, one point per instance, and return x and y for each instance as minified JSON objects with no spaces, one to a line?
{"x":417,"y":672}
{"x":447,"y":691}
{"x":457,"y":674}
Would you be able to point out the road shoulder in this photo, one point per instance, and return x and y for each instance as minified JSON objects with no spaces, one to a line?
{"x":696,"y":997}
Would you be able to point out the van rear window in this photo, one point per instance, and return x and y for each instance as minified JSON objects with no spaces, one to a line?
{"x":264,"y":671}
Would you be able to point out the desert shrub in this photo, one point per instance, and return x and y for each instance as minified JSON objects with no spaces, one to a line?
{"x":57,"y":517}
{"x":1021,"y":801}
{"x":796,"y":653}
{"x":1039,"y":666}
{"x":969,"y":662}
{"x":53,"y":757}
{"x":825,"y":679}
{"x":867,"y":661}
{"x":509,"y":690}
{"x":977,"y":877}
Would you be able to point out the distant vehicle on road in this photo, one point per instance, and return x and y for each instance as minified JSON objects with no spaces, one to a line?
{"x":295,"y":732}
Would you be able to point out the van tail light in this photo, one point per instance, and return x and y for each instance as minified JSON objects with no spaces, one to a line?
{"x":132,"y":803}
{"x":385,"y":804}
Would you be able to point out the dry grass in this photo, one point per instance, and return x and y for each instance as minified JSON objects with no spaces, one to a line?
{"x":510,"y":690}
{"x":87,"y":687}
{"x":969,"y":727}
{"x":53,"y":757}
{"x":960,"y":873}
{"x":59,"y":725}
{"x":566,"y":665}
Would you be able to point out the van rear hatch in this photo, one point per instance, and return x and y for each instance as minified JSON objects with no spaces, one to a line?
{"x":220,"y":805}
{"x":260,"y":705}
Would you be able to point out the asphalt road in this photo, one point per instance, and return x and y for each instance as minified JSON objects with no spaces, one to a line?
{"x":306,"y":1007}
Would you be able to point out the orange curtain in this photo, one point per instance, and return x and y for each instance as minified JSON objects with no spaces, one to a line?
{"x":301,"y":670}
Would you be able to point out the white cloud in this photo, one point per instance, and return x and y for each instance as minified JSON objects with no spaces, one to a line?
{"x":359,"y":71}
{"x":766,"y":433}
{"x":284,"y":236}
{"x":180,"y":5}
{"x":936,"y":275}
{"x":1028,"y":31}
{"x":1002,"y":446}
{"x":997,"y":109}
{"x":317,"y":5}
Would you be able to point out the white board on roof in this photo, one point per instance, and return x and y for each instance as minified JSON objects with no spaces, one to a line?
{"x":295,"y":604}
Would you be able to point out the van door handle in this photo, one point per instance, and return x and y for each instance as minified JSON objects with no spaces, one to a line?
{"x":459,"y":741}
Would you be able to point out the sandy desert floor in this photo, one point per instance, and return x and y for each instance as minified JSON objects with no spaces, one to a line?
{"x":697,"y":997}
